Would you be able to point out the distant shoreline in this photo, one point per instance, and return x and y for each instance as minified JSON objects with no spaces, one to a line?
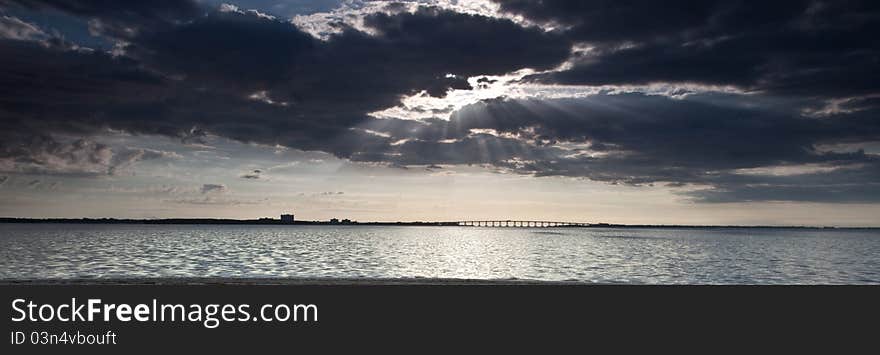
{"x":267,"y":221}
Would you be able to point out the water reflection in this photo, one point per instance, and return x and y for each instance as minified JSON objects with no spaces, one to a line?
{"x":593,"y":255}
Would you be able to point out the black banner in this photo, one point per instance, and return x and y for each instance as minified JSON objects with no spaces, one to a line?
{"x":416,"y":318}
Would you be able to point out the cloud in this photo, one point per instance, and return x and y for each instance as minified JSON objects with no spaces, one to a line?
{"x":117,"y":18}
{"x":187,"y":72}
{"x":801,"y":48}
{"x":213,"y":188}
{"x":211,"y":201}
{"x":44,"y":154}
{"x":268,"y":81}
{"x":253,"y":175}
{"x":16,"y":29}
{"x":148,"y":191}
{"x":853,"y":183}
{"x":130,"y":156}
{"x":638,"y":139}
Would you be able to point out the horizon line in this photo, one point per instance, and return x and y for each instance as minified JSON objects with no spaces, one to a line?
{"x":448,"y":223}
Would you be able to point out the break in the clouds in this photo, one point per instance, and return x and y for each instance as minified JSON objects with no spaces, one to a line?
{"x":550,"y":88}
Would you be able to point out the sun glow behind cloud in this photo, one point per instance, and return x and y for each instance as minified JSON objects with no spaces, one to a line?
{"x":351,"y":13}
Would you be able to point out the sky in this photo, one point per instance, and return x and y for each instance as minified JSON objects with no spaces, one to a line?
{"x":638,"y":112}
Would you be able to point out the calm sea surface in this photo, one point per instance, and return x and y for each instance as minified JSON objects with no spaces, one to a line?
{"x":703,"y":256}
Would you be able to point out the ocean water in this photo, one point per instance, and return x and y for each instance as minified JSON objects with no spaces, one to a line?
{"x":665,"y":256}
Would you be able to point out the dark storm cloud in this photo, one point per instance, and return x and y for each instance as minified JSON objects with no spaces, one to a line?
{"x":858,"y":183}
{"x":429,"y":50}
{"x":123,"y":11}
{"x":456,"y":43}
{"x":805,"y":48}
{"x":686,"y":133}
{"x":117,"y":18}
{"x":186,"y":72}
{"x":238,"y":51}
{"x":259,"y":80}
{"x":54,"y":88}
{"x":867,"y":193}
{"x":48,"y":90}
{"x":609,"y":21}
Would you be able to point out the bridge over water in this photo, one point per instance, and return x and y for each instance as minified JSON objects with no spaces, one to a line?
{"x":520,"y":224}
